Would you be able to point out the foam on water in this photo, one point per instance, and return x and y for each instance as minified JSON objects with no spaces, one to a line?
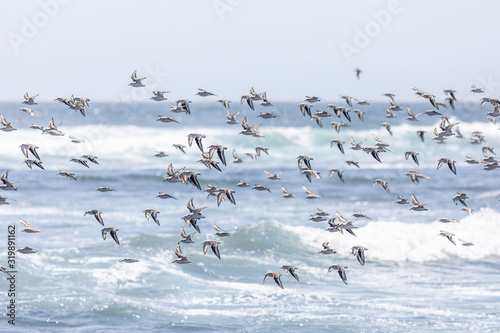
{"x":76,"y":279}
{"x":417,"y":242}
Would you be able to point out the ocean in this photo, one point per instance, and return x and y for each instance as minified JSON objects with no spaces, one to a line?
{"x":414,"y":280}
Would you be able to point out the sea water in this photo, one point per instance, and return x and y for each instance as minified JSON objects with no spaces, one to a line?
{"x":413,"y":280}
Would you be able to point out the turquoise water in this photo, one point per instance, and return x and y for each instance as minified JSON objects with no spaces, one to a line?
{"x":413,"y":279}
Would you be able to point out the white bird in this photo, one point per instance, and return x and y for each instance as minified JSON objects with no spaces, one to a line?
{"x":327,"y":249}
{"x":411,"y":116}
{"x":158,"y":96}
{"x":160,"y":154}
{"x":91,"y":158}
{"x":186,"y":238}
{"x":3,"y":201}
{"x":29,"y":162}
{"x":28,"y":229}
{"x":356,"y":145}
{"x":28,"y":147}
{"x":465,"y":243}
{"x":7,"y":185}
{"x":359,"y":252}
{"x":237,"y":159}
{"x":26,"y":250}
{"x":182,"y":259}
{"x":67,"y":174}
{"x":79,"y":161}
{"x":446,"y":220}
{"x":97,"y":214}
{"x":219,"y":232}
{"x":276,"y":277}
{"x":165,"y":119}
{"x":417,"y":206}
{"x":310,"y":195}
{"x":29,"y":100}
{"x":401,"y":200}
{"x":104,"y":189}
{"x":261,"y":188}
{"x":214,"y":245}
{"x":413,"y":155}
{"x":204,"y":93}
{"x":476,"y":90}
{"x":112,"y":231}
{"x":163,"y":195}
{"x":273,"y":176}
{"x":340,"y":270}
{"x":448,"y":235}
{"x":197,"y":138}
{"x":129,"y":260}
{"x":7,"y":126}
{"x":28,"y":111}
{"x":338,"y":172}
{"x":290,"y":269}
{"x":382,"y":182}
{"x":224,"y":102}
{"x":338,"y":143}
{"x":231,"y":119}
{"x":153,"y":213}
{"x":286,"y":194}
{"x":449,"y":161}
{"x":137,"y":81}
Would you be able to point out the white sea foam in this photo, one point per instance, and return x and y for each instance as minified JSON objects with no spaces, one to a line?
{"x":416,"y":242}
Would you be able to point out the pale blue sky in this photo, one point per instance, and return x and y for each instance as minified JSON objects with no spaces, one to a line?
{"x":288,"y":48}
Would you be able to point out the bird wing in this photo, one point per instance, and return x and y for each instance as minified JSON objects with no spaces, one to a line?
{"x":342,"y":275}
{"x":154,"y":216}
{"x":408,"y":111}
{"x":25,"y":151}
{"x":178,"y":251}
{"x":414,"y":200}
{"x":292,"y":272}
{"x":278,"y":280}
{"x":99,"y":217}
{"x":190,"y":205}
{"x":440,"y":163}
{"x":306,"y":189}
{"x":205,"y":248}
{"x":234,"y":154}
{"x":190,"y":139}
{"x":115,"y":237}
{"x":24,"y":223}
{"x":215,"y":249}
{"x":340,"y":218}
{"x":284,"y":190}
{"x":451,"y":165}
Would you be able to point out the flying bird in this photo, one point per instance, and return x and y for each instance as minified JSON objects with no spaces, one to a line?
{"x":214,"y":245}
{"x":358,"y":72}
{"x":112,"y":231}
{"x":28,"y":228}
{"x":290,"y":269}
{"x":97,"y":214}
{"x":137,"y":82}
{"x":341,"y":270}
{"x":276,"y":277}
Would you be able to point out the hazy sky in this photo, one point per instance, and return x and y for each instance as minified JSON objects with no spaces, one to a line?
{"x":288,"y":48}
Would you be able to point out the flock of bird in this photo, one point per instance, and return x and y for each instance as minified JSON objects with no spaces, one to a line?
{"x":214,"y":157}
